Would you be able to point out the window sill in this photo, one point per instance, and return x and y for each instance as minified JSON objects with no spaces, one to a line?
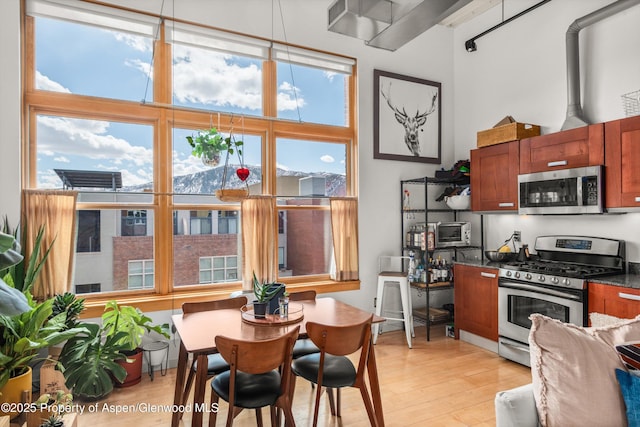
{"x":94,"y":307}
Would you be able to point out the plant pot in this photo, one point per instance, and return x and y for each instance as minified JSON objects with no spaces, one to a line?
{"x":13,"y":390}
{"x":232,"y":194}
{"x":274,"y":301}
{"x":260,"y":309}
{"x":211,"y":158}
{"x":134,"y":368}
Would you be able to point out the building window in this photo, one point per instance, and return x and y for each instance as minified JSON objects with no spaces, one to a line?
{"x":88,"y":288}
{"x":300,"y":141}
{"x":141,"y":274}
{"x":88,"y":231}
{"x":218,"y":269}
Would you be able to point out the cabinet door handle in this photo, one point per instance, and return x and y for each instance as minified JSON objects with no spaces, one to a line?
{"x":557,"y":163}
{"x":625,"y":295}
{"x":505,"y":205}
{"x":489,"y":275}
{"x":638,"y":199}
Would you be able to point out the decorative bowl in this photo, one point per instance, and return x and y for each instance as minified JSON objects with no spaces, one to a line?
{"x":459,"y":202}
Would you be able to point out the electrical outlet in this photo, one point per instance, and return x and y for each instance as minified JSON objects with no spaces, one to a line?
{"x":516,"y":237}
{"x":375,"y":300}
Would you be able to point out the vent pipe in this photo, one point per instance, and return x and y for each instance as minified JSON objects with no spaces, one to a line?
{"x":574,"y":108}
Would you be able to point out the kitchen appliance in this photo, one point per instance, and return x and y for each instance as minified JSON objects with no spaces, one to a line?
{"x":554,"y":283}
{"x":562,"y":191}
{"x":446,"y":235}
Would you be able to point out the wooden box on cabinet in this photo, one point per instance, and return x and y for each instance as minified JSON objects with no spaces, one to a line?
{"x":614,"y":300}
{"x":494,"y":177}
{"x":573,"y":148}
{"x":476,"y":300}
{"x":622,"y":171}
{"x":506,"y":133}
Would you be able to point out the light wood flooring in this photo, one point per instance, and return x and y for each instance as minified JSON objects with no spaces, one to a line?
{"x":444,"y":382}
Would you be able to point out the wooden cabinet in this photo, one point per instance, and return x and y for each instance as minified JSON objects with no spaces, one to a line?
{"x":494,"y":177}
{"x":614,"y":300}
{"x":567,"y":149}
{"x":622,"y":171}
{"x":476,"y":300}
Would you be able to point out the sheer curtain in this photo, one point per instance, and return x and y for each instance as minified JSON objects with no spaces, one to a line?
{"x":344,"y":227}
{"x":258,"y":216}
{"x":55,"y":210}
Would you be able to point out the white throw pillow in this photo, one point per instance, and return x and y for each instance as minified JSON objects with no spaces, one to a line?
{"x":573,"y":372}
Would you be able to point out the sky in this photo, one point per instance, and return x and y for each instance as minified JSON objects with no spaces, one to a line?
{"x":85,"y":60}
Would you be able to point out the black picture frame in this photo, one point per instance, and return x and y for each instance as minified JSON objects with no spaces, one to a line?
{"x":406,"y":118}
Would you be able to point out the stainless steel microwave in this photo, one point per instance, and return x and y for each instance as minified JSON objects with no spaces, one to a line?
{"x":565,"y":191}
{"x":447,"y":235}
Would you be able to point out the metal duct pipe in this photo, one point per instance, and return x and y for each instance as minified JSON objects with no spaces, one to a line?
{"x":574,"y":108}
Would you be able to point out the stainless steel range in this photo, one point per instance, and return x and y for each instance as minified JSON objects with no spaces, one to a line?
{"x":553,"y":283}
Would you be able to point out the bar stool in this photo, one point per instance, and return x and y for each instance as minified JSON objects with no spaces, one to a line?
{"x":389,"y":273}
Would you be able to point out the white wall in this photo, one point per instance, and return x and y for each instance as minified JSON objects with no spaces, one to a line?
{"x":520,"y":70}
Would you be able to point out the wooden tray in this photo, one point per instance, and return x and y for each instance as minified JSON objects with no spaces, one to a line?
{"x":296,"y":314}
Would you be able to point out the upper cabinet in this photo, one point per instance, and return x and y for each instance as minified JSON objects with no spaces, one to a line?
{"x":567,"y":149}
{"x":494,"y":177}
{"x":622,"y":174}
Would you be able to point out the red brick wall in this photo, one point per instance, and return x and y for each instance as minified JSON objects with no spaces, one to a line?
{"x":307,"y":243}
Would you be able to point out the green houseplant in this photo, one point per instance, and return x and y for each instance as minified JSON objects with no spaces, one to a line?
{"x":209,"y":144}
{"x":264,"y":292}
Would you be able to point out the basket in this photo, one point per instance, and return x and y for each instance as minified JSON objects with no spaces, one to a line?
{"x":631,"y":103}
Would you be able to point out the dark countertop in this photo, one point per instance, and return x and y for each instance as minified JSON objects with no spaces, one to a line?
{"x":631,"y":281}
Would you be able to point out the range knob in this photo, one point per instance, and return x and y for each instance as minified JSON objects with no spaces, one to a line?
{"x":508,"y":273}
{"x":566,"y":281}
{"x":554,"y":280}
{"x":528,"y":276}
{"x":541,"y":278}
{"x":517,"y":274}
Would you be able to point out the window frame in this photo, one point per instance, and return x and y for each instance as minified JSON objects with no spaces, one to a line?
{"x":163,"y":117}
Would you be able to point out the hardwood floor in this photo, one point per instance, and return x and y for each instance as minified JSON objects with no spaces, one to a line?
{"x":444,"y":382}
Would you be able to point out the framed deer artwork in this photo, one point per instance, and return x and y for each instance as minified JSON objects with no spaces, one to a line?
{"x":406,"y":118}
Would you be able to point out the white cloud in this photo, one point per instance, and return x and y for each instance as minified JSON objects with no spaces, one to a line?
{"x":89,"y":139}
{"x":143,"y":67}
{"x":289,"y":97}
{"x":329,"y":75}
{"x":62,"y":159}
{"x":45,"y":83}
{"x":139,"y":43}
{"x":210,"y":78}
{"x":327,"y":159}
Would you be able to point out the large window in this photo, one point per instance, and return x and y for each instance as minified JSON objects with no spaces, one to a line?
{"x":110,"y":118}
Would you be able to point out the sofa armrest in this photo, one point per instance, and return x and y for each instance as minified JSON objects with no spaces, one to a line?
{"x":516,"y":408}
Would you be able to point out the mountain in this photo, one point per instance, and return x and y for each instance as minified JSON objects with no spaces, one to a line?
{"x":208,"y":181}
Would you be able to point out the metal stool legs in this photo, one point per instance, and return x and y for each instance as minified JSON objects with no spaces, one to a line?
{"x":405,"y":297}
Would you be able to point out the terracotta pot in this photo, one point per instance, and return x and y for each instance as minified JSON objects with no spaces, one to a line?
{"x":13,"y":390}
{"x":134,"y":369}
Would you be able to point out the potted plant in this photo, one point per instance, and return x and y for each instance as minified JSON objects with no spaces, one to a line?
{"x":265,"y":294}
{"x":49,"y":409}
{"x":134,"y":324}
{"x":209,"y":144}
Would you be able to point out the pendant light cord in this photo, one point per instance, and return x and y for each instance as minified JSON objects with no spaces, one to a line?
{"x":284,"y":32}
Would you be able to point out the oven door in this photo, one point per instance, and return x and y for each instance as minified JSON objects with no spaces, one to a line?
{"x":517,"y":301}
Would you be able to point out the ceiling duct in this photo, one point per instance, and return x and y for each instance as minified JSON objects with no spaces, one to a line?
{"x":363,"y":19}
{"x":575,"y":115}
{"x":389,"y":24}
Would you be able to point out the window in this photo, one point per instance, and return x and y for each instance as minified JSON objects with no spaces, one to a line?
{"x":141,"y":274}
{"x":112,"y":113}
{"x":88,"y":231}
{"x":218,"y":269}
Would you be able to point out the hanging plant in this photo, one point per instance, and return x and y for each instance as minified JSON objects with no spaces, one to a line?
{"x":210,"y":144}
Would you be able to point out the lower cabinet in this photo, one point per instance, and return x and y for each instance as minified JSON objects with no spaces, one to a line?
{"x":476,"y":300}
{"x":613,"y":300}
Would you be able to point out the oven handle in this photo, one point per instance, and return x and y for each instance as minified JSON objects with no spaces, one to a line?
{"x":629,"y":296}
{"x":518,"y":347}
{"x":539,"y":289}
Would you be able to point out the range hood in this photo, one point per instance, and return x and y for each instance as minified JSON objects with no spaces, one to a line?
{"x":389,"y":24}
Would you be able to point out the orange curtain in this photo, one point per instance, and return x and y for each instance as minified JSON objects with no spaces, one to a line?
{"x":258,"y":216}
{"x":55,"y":210}
{"x":344,"y":227}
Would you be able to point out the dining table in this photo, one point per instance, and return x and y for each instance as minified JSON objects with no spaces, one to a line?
{"x":198,"y":330}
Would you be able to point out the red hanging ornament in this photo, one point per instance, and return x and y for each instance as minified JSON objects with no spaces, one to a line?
{"x":243,"y":173}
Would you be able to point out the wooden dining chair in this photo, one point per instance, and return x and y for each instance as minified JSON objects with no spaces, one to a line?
{"x":259,"y":375}
{"x":303,"y":346}
{"x":216,"y":364}
{"x":331,"y":368}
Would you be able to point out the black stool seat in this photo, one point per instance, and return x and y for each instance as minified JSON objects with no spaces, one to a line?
{"x":338,"y":370}
{"x":252,"y":391}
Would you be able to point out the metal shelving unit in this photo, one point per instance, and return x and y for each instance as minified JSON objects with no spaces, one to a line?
{"x":426,"y":255}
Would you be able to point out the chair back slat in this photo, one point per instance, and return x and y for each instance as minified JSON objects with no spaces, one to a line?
{"x":257,"y":357}
{"x":302,"y":295}
{"x":339,"y":340}
{"x":220,"y":304}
